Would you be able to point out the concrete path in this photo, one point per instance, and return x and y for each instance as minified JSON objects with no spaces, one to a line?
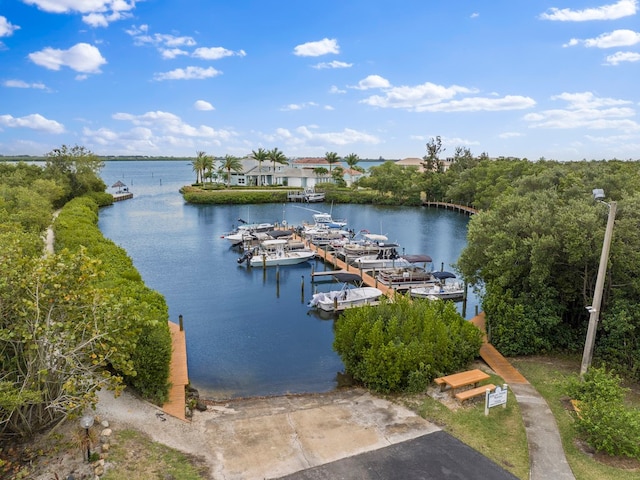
{"x":546,"y":454}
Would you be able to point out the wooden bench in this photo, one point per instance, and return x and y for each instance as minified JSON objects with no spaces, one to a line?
{"x":461,"y":379}
{"x":474,"y":392}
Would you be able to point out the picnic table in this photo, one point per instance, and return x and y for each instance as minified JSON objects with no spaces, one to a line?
{"x":462,"y":379}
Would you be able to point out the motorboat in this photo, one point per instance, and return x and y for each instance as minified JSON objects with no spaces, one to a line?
{"x":366,"y":244}
{"x":442,"y":289}
{"x":387,"y":257}
{"x":240,"y":233}
{"x":275,"y":252}
{"x":405,"y":277}
{"x":351,"y":294}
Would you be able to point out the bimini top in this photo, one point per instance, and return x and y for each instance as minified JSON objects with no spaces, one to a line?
{"x":443,"y":275}
{"x":347,"y":277}
{"x":417,"y":258}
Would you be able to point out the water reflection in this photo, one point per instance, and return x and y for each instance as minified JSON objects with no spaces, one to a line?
{"x":246,"y":333}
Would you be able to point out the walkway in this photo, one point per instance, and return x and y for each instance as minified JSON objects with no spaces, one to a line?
{"x":178,"y":375}
{"x":546,"y":454}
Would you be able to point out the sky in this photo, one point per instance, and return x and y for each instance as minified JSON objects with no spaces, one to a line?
{"x":557,"y":79}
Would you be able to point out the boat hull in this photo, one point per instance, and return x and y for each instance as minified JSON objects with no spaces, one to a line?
{"x":338,"y":300}
{"x":289,"y":258}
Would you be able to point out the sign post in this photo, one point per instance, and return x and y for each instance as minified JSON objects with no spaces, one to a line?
{"x":498,"y":397}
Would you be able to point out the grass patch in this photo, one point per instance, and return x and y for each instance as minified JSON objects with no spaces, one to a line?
{"x":500,"y":436}
{"x":136,"y":457}
{"x":550,"y":375}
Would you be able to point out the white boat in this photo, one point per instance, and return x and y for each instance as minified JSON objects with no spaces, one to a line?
{"x":442,"y":290}
{"x":240,"y":233}
{"x":387,"y":257}
{"x":348,"y":296}
{"x":403,"y":278}
{"x":276,"y":252}
{"x":367,"y":244}
{"x":308,"y":195}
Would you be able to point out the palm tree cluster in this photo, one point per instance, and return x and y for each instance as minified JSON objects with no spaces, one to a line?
{"x":204,"y":164}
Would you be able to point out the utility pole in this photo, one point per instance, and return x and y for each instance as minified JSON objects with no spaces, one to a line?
{"x":594,"y":309}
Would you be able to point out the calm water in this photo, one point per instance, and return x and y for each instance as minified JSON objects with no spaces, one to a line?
{"x":246,"y":334}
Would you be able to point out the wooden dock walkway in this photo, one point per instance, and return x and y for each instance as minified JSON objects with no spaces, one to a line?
{"x":451,"y":206}
{"x":178,"y":374}
{"x":494,"y":358}
{"x":488,"y":352}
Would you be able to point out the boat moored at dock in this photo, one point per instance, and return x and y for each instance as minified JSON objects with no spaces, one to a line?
{"x":351,"y":294}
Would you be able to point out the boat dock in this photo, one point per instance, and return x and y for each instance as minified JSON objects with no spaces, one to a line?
{"x":118,"y":197}
{"x":451,"y":206}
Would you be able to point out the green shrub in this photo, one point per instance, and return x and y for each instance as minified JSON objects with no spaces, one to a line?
{"x":77,"y":227}
{"x":604,"y":421}
{"x":401,"y":346}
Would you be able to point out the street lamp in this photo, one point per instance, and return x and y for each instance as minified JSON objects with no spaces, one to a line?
{"x":594,"y":308}
{"x":86,"y":422}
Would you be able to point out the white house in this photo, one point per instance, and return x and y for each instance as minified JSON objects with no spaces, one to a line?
{"x":301,"y":173}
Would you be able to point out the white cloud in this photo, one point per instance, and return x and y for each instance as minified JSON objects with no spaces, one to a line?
{"x":216,"y":53}
{"x":171,"y":53}
{"x":307,"y":137}
{"x":506,"y":135}
{"x":585,"y":110}
{"x":429,"y":97}
{"x":34,"y":121}
{"x":345,"y":137}
{"x":189,"y":73}
{"x":316,"y":49}
{"x":620,"y":57}
{"x":477,"y":104}
{"x":203,"y":105}
{"x":82,"y":57}
{"x":475,"y":15}
{"x":167,"y":128}
{"x":141,"y":36}
{"x":372,"y":81}
{"x":335,"y":89}
{"x":23,"y":84}
{"x":334,"y":64}
{"x":6,"y":28}
{"x":623,"y":8}
{"x":96,"y":13}
{"x":617,"y":38}
{"x":298,"y":106}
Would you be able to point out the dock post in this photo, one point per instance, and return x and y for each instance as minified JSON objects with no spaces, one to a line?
{"x":180,"y":322}
{"x":302,"y":288}
{"x":335,"y":304}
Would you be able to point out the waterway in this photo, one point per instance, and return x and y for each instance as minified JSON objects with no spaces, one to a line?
{"x":248,"y":335}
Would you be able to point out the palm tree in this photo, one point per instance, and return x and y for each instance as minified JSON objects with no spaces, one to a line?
{"x":231,"y":163}
{"x":276,"y":156}
{"x":199,"y":165}
{"x":331,"y":158}
{"x":352,"y":160}
{"x":260,"y":156}
{"x":209,"y":165}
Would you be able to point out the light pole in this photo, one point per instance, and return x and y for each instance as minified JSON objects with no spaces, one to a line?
{"x":86,"y":422}
{"x":594,"y":308}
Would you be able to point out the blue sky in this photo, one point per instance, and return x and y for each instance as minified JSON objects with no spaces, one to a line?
{"x":556,"y":79}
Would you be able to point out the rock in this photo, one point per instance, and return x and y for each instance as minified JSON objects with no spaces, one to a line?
{"x":201,"y":406}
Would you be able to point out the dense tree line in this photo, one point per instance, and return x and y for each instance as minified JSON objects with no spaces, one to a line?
{"x":77,"y":320}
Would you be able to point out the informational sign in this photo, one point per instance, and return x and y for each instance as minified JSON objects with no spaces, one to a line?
{"x":496,"y":398}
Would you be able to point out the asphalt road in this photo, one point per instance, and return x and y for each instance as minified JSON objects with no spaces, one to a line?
{"x":435,"y":456}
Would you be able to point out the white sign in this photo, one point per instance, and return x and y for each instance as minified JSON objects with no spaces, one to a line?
{"x":495,"y":398}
